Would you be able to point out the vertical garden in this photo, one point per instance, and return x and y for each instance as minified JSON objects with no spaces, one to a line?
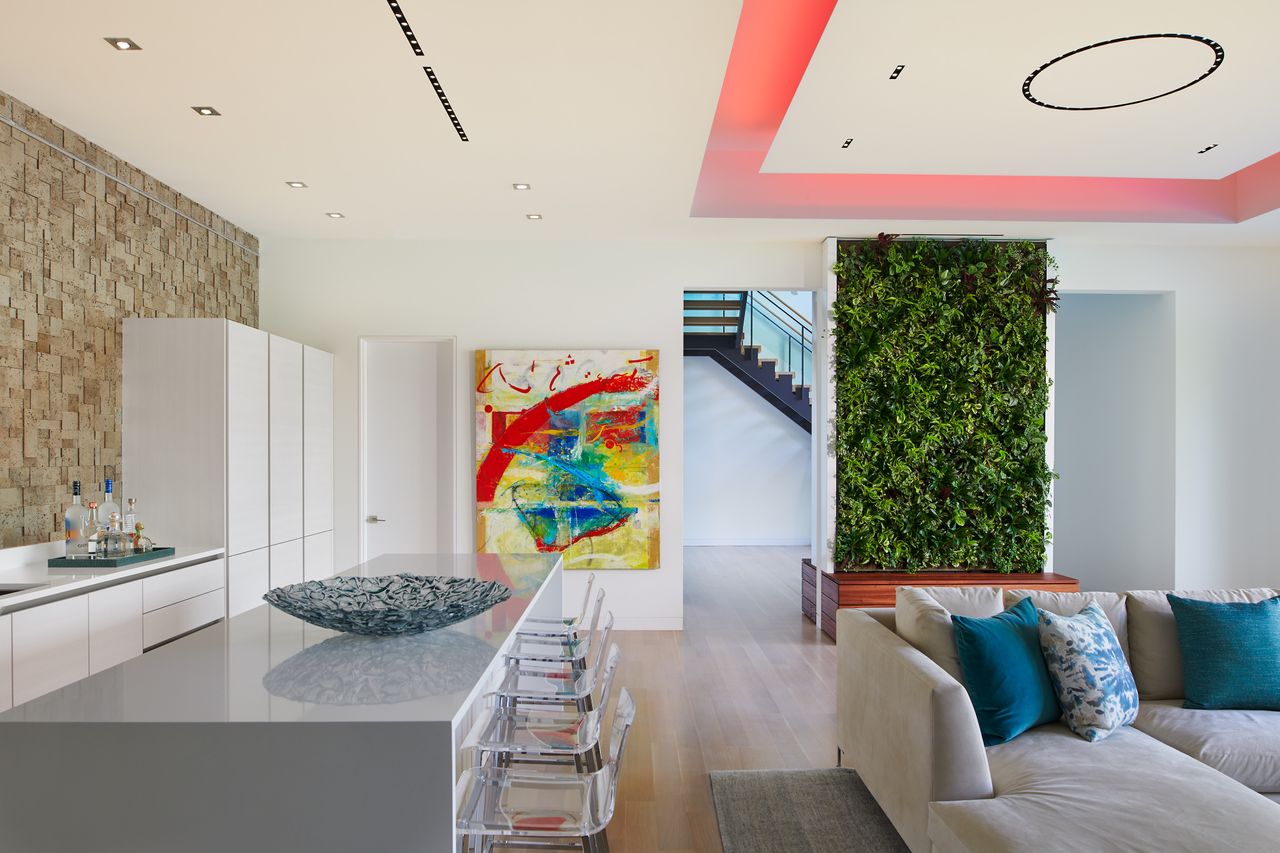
{"x":941,"y":393}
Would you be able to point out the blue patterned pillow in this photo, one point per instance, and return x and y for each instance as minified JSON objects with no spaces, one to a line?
{"x":1088,"y":672}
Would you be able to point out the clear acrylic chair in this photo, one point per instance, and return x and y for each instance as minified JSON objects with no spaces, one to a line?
{"x":562,"y":683}
{"x":567,"y":626}
{"x":512,"y":807}
{"x":570,"y":648}
{"x":544,"y":735}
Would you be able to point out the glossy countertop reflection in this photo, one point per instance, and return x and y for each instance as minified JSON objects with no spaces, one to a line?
{"x":267,"y":666}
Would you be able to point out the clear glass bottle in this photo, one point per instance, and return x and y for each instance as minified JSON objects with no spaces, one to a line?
{"x":96,"y":538}
{"x":75,"y":523}
{"x":142,"y":544}
{"x":130,"y":517}
{"x":117,"y":545}
{"x":109,"y":504}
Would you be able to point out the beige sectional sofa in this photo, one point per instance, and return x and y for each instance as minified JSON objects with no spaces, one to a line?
{"x":1177,"y":780}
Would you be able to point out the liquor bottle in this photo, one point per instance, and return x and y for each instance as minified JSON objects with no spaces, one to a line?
{"x":116,"y":543}
{"x":109,"y":504}
{"x":75,"y":523}
{"x":130,"y":517}
{"x":96,"y":537}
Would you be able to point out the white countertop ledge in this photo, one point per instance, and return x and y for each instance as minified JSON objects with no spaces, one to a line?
{"x":54,"y":584}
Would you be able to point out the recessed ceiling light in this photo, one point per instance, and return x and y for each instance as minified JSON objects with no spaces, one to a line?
{"x":533,"y":215}
{"x":297,"y":185}
{"x":521,"y":187}
{"x":334,"y":215}
{"x":896,"y":72}
{"x":206,"y":111}
{"x":847,"y":142}
{"x":120,"y":43}
{"x":1207,"y":148}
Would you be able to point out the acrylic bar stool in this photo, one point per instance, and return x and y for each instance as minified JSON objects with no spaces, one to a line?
{"x":564,"y":650}
{"x":568,"y":626}
{"x":513,"y":807}
{"x":543,"y":735}
{"x":552,"y":684}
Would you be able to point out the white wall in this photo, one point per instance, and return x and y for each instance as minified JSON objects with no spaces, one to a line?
{"x":517,"y":294}
{"x":1114,"y":499}
{"x":1227,"y":301}
{"x":746,"y":465}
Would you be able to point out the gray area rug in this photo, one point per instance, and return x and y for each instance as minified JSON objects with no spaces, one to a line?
{"x":800,"y":811}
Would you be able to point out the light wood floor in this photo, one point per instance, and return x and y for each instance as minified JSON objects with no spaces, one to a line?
{"x":748,"y":684}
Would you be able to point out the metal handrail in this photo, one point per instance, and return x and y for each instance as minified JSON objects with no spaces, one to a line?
{"x":797,"y":330}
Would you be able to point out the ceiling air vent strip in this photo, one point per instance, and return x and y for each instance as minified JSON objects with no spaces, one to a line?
{"x":404,"y":26}
{"x":444,"y":102}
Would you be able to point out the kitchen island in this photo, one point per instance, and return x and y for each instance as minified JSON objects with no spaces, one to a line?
{"x":264,"y":733}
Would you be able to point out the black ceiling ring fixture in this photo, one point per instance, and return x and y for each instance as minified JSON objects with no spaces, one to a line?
{"x":1218,"y":56}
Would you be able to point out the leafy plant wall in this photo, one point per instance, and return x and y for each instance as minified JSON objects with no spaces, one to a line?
{"x":941,"y":393}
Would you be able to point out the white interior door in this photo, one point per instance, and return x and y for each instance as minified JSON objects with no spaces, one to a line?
{"x":406,"y":446}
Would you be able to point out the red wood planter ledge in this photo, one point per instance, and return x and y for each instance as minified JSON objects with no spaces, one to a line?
{"x":878,"y":589}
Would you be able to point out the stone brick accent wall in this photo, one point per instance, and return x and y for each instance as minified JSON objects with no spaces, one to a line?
{"x":81,"y":250}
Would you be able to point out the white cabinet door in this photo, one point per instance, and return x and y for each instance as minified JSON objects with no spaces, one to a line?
{"x":286,"y":440}
{"x":6,"y":663}
{"x":286,"y":563}
{"x":115,"y":625}
{"x":248,"y":456}
{"x":317,"y":440}
{"x":248,"y":579}
{"x":317,"y":561}
{"x":50,"y":647}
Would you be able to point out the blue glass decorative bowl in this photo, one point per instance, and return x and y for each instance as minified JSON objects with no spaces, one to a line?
{"x":389,"y":604}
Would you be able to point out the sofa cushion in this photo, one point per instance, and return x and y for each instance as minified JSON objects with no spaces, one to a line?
{"x":922,"y":617}
{"x":1088,"y":671}
{"x":1071,"y":603}
{"x":1230,"y":653}
{"x":1154,"y":655}
{"x":1057,"y":792}
{"x":1245,"y":745}
{"x":1004,"y":672}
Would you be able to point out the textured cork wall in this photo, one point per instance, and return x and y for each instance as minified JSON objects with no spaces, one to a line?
{"x":82,"y":246}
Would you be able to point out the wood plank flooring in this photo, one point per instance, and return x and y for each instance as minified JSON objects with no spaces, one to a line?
{"x":748,"y":684}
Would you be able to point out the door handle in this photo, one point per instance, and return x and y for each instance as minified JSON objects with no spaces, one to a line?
{"x":373,"y":519}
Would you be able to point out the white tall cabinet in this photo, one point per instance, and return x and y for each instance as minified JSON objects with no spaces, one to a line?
{"x":228,"y":439}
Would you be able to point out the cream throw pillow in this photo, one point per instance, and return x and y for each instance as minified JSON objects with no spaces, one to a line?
{"x":923,"y":616}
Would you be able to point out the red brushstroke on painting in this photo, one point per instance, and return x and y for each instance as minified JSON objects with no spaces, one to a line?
{"x":552,"y":385}
{"x":504,"y":378}
{"x":535,"y":417}
{"x":480,"y":385}
{"x":552,"y":547}
{"x":623,"y":426}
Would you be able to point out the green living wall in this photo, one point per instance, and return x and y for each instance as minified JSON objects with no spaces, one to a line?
{"x":941,"y":392}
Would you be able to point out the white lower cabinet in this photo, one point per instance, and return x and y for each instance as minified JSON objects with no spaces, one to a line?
{"x":317,"y":558}
{"x":6,"y":663}
{"x":162,"y":625}
{"x":286,"y":563}
{"x":248,"y":579}
{"x":115,"y":625}
{"x":50,"y":647}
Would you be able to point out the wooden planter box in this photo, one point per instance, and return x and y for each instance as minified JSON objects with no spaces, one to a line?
{"x":878,"y":589}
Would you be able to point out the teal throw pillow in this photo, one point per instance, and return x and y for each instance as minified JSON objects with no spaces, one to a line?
{"x":1230,"y":653}
{"x":1089,"y":672}
{"x":1005,"y":673}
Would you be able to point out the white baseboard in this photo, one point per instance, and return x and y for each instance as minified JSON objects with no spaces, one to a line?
{"x":782,"y":542}
{"x":648,"y":623}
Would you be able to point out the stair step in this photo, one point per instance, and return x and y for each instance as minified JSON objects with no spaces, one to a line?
{"x":711,"y":321}
{"x":787,"y":375}
{"x":712,"y":304}
{"x":706,"y":334}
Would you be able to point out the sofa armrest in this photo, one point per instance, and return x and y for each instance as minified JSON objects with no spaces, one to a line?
{"x":905,"y":725}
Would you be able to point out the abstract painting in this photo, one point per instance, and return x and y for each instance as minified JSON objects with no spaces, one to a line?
{"x":567,"y":455}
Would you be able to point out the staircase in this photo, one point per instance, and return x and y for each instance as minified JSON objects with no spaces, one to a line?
{"x":759,"y":339}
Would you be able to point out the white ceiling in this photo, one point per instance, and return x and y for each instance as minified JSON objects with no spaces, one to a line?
{"x":604,"y":108}
{"x":958,"y":108}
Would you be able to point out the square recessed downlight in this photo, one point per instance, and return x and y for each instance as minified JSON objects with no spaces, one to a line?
{"x":206,"y":111}
{"x":521,"y":187}
{"x":122,"y":43}
{"x":297,"y":185}
{"x":334,"y":215}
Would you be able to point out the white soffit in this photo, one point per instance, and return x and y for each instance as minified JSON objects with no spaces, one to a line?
{"x":958,"y":105}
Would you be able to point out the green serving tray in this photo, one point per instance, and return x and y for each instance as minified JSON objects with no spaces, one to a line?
{"x":91,"y":563}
